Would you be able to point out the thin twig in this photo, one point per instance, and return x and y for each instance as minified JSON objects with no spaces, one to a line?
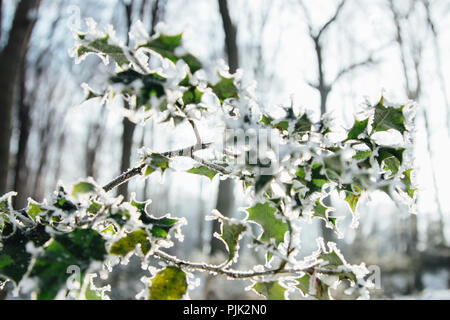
{"x":237,"y":274}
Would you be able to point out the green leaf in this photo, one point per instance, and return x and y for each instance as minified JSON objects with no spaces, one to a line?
{"x":321,"y":289}
{"x":101,"y":46}
{"x":273,"y":227}
{"x":352,"y":196}
{"x":168,"y":284}
{"x":322,"y":212}
{"x":408,"y":184}
{"x":193,"y":63}
{"x":303,"y":125}
{"x":82,"y":188}
{"x":77,"y":248}
{"x":165,"y":45}
{"x":392,"y":159}
{"x":14,"y":258}
{"x":156,"y":162}
{"x":262,"y":182}
{"x":387,"y":118}
{"x":270,"y":290}
{"x":160,"y":226}
{"x":225,"y":89}
{"x":230,"y":234}
{"x":361,"y":155}
{"x":127,"y":244}
{"x":192,"y":96}
{"x":34,"y":210}
{"x":358,"y":128}
{"x":204,"y":171}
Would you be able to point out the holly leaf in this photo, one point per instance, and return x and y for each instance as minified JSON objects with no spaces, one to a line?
{"x":320,"y":289}
{"x":230,"y":233}
{"x":204,"y":171}
{"x":262,"y":182}
{"x":271,"y":290}
{"x":78,"y":248}
{"x":193,"y":63}
{"x":104,"y":48}
{"x":408,"y":184}
{"x":156,"y":161}
{"x":387,"y":118}
{"x":165,"y":45}
{"x":352,"y":196}
{"x":273,"y":227}
{"x":391,"y":158}
{"x":82,"y":188}
{"x":128,"y":243}
{"x":14,"y":258}
{"x":225,"y":89}
{"x":303,"y":125}
{"x":358,"y":128}
{"x":168,"y":284}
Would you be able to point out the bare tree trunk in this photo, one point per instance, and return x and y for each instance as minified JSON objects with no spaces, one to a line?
{"x":10,"y":59}
{"x":413,"y":94}
{"x":225,"y":197}
{"x":24,"y":120}
{"x":128,"y":126}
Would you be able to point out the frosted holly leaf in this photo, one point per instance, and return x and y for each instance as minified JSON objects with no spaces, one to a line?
{"x":83,"y":188}
{"x":262,"y":182}
{"x":155,"y":162}
{"x":315,"y":182}
{"x":80,"y":248}
{"x":193,"y":63}
{"x":313,"y":287}
{"x":358,"y":128}
{"x":168,"y":284}
{"x":192,"y":96}
{"x":34,"y":210}
{"x":160,"y":226}
{"x":280,"y":125}
{"x":6,"y":202}
{"x":165,"y":45}
{"x":303,"y":126}
{"x":362,"y":155}
{"x":225,"y":88}
{"x":352,"y":196}
{"x":120,"y":216}
{"x":204,"y":171}
{"x":387,"y":118}
{"x":152,"y":85}
{"x":14,"y":258}
{"x":271,"y":290}
{"x":323,"y":212}
{"x":5,"y":212}
{"x":408,"y":183}
{"x":104,"y":48}
{"x":273,"y":227}
{"x":230,"y":233}
{"x":128,"y":243}
{"x":333,"y":260}
{"x":391,"y":158}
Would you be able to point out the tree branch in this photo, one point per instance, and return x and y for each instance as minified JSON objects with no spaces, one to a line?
{"x":237,"y":274}
{"x":185,"y":152}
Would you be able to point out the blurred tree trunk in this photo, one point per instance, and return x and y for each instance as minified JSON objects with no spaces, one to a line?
{"x":413,"y":93}
{"x":24,"y":124}
{"x":10,"y":60}
{"x":128,"y":126}
{"x":225,"y":197}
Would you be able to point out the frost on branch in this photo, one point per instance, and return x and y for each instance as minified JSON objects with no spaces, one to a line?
{"x":285,"y":179}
